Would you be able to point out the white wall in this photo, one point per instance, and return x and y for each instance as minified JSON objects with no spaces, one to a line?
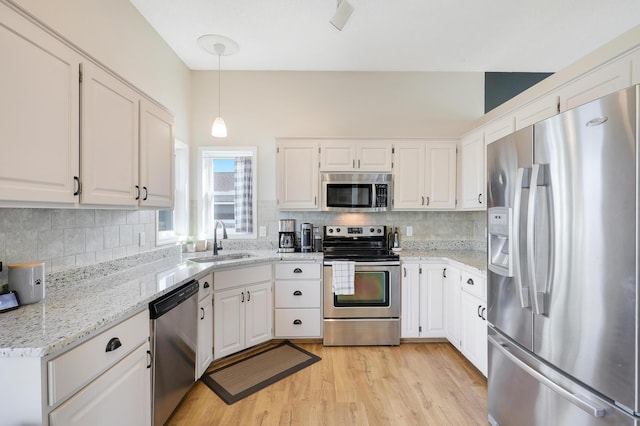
{"x":260,"y":106}
{"x":114,"y":33}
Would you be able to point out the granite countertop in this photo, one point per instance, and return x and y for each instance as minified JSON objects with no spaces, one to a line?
{"x":79,"y":303}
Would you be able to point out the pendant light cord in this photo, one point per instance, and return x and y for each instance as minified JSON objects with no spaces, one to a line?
{"x":219,"y":92}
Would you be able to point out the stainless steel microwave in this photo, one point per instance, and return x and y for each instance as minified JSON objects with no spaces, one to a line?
{"x":357,"y":192}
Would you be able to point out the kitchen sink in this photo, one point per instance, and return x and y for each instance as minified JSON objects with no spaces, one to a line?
{"x":221,"y":257}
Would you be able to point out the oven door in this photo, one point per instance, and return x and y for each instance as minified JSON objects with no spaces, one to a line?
{"x":376,"y":292}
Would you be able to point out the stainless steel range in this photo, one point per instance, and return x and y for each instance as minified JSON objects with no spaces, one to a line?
{"x":364,"y":309}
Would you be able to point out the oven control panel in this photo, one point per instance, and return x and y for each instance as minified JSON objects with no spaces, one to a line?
{"x":348,"y":231}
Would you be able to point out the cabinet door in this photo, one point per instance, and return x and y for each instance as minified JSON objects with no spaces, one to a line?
{"x":473,"y":332}
{"x":39,"y":104}
{"x":410,"y":320}
{"x":228,"y":311}
{"x":431,"y":300}
{"x":109,"y":143}
{"x":120,"y":396}
{"x":452,"y":305}
{"x":338,"y":156}
{"x":473,"y":174}
{"x":156,"y":156}
{"x":595,"y":84}
{"x":298,"y":179}
{"x":204,"y":354}
{"x":408,"y":185}
{"x":440,"y":179}
{"x":259,"y":314}
{"x":374,"y":156}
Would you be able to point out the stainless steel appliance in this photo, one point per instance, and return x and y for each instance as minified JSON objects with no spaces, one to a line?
{"x":563,"y":268}
{"x":357,"y":192}
{"x":306,"y":237}
{"x":173,"y":345}
{"x":287,"y":235}
{"x":371,"y":315}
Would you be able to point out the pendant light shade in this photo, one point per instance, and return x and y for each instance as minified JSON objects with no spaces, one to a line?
{"x":221,"y":46}
{"x":219,"y":129}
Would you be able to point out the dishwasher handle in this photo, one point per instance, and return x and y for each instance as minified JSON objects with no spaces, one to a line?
{"x":168,"y":301}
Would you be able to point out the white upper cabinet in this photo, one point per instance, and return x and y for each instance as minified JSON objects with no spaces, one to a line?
{"x":156,"y":156}
{"x":40,"y":110}
{"x":298,"y":177}
{"x":473,"y":185}
{"x":537,"y":110}
{"x":425,"y":175}
{"x":358,"y":156}
{"x":499,"y":128}
{"x":607,"y":79}
{"x":74,"y":128}
{"x":109,"y":143}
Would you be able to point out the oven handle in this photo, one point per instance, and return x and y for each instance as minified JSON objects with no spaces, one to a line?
{"x":391,"y":263}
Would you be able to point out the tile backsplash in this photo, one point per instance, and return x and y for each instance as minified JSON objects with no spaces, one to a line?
{"x":69,"y":238}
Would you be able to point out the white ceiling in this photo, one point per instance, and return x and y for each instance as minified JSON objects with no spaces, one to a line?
{"x":392,"y":35}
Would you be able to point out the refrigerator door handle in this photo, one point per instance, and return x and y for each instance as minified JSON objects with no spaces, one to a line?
{"x":538,"y":296}
{"x":523,"y":291}
{"x":578,"y":400}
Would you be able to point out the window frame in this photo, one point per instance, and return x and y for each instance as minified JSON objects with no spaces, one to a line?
{"x":181,"y":156}
{"x":254,"y":182}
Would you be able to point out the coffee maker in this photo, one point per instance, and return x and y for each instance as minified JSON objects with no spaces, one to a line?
{"x":287,"y":236}
{"x":306,"y":237}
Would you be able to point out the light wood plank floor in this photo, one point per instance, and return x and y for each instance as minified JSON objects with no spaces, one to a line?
{"x":410,"y":384}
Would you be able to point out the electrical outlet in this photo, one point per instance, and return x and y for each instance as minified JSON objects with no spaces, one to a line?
{"x":263,"y":231}
{"x":409,"y":231}
{"x":142,"y":239}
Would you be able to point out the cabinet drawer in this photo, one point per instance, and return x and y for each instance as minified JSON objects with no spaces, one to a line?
{"x":241,"y":277}
{"x":77,"y":367}
{"x":298,"y":294}
{"x":298,"y":323}
{"x":286,"y":270}
{"x":205,"y":286}
{"x":474,"y":284}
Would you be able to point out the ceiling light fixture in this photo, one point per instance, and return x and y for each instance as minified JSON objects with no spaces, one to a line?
{"x":221,"y":46}
{"x":343,"y":12}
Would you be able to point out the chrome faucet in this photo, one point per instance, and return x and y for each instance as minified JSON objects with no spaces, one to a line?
{"x":215,"y":236}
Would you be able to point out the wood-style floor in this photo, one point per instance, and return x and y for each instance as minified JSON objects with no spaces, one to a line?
{"x":410,"y":384}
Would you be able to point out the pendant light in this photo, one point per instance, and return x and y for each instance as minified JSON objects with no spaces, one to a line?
{"x":221,"y":46}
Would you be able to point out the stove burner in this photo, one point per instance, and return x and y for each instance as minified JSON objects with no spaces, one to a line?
{"x":358,"y":243}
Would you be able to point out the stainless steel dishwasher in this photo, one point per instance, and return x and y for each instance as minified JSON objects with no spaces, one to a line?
{"x":173,"y":344}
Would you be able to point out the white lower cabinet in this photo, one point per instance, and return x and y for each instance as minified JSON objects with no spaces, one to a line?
{"x":298,"y":300}
{"x":473,"y":320}
{"x":120,"y":396}
{"x":204,"y":353}
{"x":452,"y":305}
{"x":422,"y":300}
{"x":242,"y":309}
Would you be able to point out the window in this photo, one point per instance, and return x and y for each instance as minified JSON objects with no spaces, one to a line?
{"x":173,"y":225}
{"x":227,"y":184}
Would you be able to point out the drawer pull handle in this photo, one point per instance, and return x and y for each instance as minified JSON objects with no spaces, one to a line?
{"x":202,"y":317}
{"x":470,"y":281}
{"x":206,"y":284}
{"x":297,"y":293}
{"x":150,"y":359}
{"x":297,"y":322}
{"x":297,"y":271}
{"x":113,"y":344}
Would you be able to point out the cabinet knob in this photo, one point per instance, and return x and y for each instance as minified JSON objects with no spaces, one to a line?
{"x":297,"y":322}
{"x":113,"y":344}
{"x":470,"y":281}
{"x":297,"y":271}
{"x":297,"y":293}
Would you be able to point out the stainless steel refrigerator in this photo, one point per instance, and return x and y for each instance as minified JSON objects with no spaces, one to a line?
{"x":563,"y":268}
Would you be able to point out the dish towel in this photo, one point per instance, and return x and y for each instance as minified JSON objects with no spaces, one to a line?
{"x":342,"y":277}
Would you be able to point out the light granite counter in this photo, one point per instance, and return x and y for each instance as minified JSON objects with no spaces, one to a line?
{"x":81,"y":302}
